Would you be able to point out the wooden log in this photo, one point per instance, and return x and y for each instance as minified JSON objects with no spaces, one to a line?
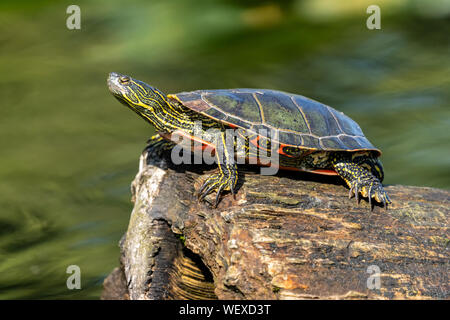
{"x":289,"y":236}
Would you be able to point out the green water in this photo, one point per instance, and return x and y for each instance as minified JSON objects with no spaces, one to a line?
{"x":69,"y":150}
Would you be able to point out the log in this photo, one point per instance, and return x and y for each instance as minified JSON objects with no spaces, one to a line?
{"x":288,"y":236}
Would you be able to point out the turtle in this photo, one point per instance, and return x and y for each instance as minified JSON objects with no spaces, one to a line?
{"x":301,"y":133}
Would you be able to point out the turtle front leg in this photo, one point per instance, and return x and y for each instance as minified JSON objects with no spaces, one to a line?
{"x":363,"y":175}
{"x":157,"y":146}
{"x":226,"y":178}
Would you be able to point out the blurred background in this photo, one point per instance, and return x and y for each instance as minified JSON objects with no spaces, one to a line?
{"x":69,"y":150}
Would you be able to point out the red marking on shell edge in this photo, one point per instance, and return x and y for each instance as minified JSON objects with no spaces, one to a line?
{"x":324,"y":172}
{"x":255,"y":141}
{"x":205,"y":144}
{"x":280,"y":151}
{"x":174,"y":136}
{"x":316,"y":171}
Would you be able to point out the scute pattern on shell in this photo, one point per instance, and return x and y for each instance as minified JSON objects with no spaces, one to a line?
{"x":289,"y":119}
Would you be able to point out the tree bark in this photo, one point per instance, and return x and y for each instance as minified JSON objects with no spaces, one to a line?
{"x":289,"y":236}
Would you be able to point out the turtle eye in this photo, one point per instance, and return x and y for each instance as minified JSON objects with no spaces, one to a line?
{"x":124,"y":80}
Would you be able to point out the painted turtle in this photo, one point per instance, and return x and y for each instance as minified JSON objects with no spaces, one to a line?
{"x":304,"y":134}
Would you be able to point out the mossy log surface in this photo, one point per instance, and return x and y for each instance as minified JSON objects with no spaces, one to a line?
{"x":289,"y":236}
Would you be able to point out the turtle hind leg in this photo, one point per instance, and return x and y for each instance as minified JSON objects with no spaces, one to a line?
{"x":361,"y":175}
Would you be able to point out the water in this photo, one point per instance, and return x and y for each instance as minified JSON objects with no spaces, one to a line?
{"x":70,"y":151}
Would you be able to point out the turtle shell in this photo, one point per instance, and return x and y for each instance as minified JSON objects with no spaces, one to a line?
{"x":289,"y":119}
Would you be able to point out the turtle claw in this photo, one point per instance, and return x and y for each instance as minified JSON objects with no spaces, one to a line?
{"x":372,"y":189}
{"x":370,"y":197}
{"x":354,"y":192}
{"x":358,"y":200}
{"x":218,"y":182}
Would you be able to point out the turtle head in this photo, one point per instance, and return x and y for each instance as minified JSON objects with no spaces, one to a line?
{"x":140,"y":97}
